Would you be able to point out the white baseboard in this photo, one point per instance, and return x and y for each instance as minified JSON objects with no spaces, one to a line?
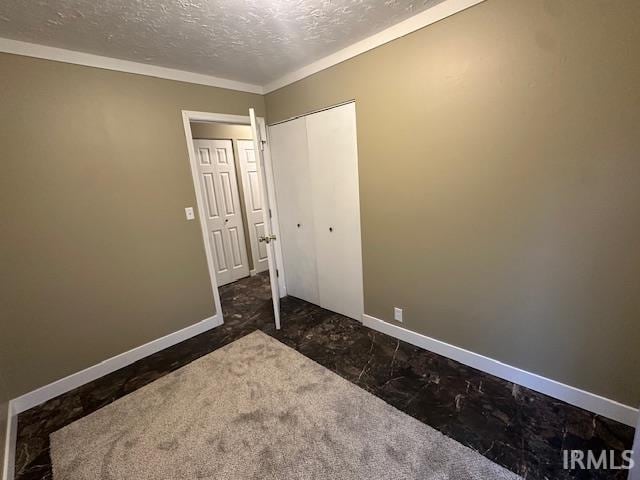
{"x":574,"y":396}
{"x":64,"y":385}
{"x":10,"y":444}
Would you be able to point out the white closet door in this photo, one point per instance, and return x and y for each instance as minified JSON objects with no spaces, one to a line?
{"x":293,"y":195}
{"x":333,"y":164}
{"x":253,"y":202}
{"x":222,"y":205}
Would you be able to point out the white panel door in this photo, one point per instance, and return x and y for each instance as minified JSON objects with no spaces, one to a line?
{"x":289,"y":155}
{"x":253,"y":203}
{"x":333,"y":163}
{"x":219,"y":186}
{"x":259,"y":133}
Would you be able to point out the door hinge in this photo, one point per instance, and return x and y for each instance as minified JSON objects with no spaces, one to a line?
{"x":270,"y":214}
{"x":277,"y":273}
{"x":262,"y":144}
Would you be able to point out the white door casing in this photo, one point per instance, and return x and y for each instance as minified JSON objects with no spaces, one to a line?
{"x":252,"y":191}
{"x":333,"y":164}
{"x":258,"y":131}
{"x":293,"y":192}
{"x":219,"y":185}
{"x":189,"y":116}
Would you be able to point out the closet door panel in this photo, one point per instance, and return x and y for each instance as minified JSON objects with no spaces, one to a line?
{"x":293,"y":194}
{"x":333,"y":166}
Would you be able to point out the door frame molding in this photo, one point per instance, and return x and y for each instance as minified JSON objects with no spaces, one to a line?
{"x":189,"y":116}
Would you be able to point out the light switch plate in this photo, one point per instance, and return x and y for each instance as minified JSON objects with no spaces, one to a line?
{"x":397,"y":314}
{"x":189,"y":213}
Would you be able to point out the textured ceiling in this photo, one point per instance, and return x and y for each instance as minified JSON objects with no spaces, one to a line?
{"x":254,"y":41}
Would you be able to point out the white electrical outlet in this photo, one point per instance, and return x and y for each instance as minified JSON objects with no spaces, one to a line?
{"x":189,"y":213}
{"x":397,"y":314}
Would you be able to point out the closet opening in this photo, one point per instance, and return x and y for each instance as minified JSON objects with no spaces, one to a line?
{"x":315,"y":163}
{"x":231,"y":180}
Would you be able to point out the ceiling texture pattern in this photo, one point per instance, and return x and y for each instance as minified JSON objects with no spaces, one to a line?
{"x":254,"y":41}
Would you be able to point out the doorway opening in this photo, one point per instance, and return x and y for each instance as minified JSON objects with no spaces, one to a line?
{"x":233,"y":180}
{"x":231,"y":187}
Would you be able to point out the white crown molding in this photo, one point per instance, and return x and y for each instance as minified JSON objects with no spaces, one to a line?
{"x":418,"y":21}
{"x":572,"y":395}
{"x":89,"y":60}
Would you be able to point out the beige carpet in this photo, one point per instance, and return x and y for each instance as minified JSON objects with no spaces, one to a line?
{"x":257,"y":409}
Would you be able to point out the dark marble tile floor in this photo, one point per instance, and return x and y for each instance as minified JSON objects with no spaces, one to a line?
{"x":520,"y":429}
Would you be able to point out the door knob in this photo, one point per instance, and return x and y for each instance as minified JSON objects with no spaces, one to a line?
{"x":298,"y":225}
{"x":266,"y":239}
{"x":331,"y":229}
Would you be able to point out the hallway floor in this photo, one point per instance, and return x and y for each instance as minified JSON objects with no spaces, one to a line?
{"x":515,"y":427}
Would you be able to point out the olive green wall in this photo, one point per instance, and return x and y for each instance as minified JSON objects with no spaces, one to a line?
{"x":500,"y":183}
{"x":222,"y":131}
{"x":97,"y":256}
